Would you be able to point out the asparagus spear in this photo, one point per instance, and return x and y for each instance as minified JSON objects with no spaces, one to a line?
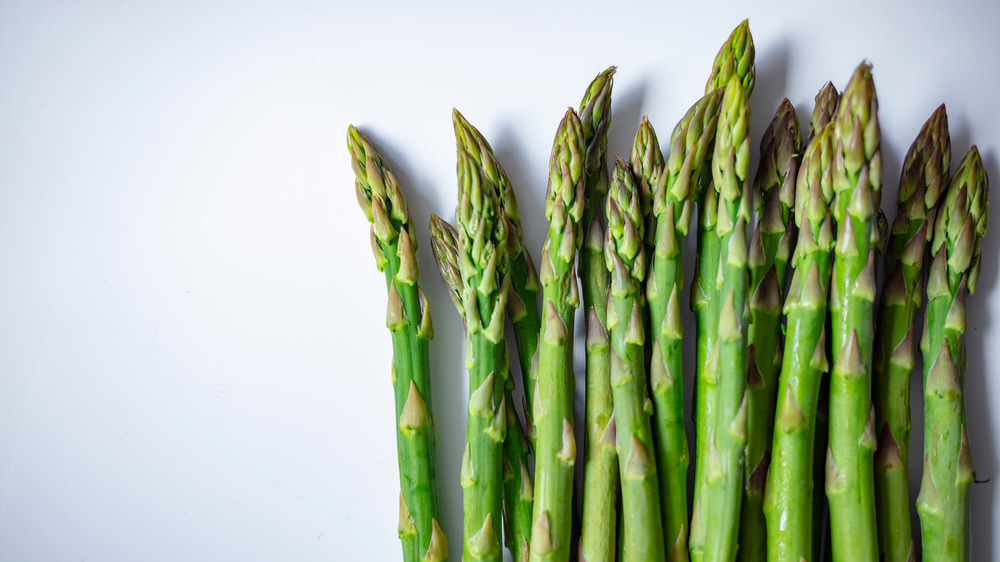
{"x":625,"y":258}
{"x":600,"y":483}
{"x":735,"y":58}
{"x":856,"y":180}
{"x":924,"y":176}
{"x":555,"y":451}
{"x":943,"y":502}
{"x":409,"y":322}
{"x":770,"y":247}
{"x":728,"y":434}
{"x":790,"y":505}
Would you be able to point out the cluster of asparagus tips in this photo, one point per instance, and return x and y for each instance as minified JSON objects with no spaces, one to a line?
{"x":552,"y":408}
{"x":770,"y":249}
{"x":409,"y":321}
{"x":943,"y":502}
{"x":856,"y":182}
{"x":923,"y":179}
{"x":791,"y":499}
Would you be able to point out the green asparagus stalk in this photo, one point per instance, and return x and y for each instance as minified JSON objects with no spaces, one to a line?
{"x":850,"y":487}
{"x":790,"y":505}
{"x":735,"y":58}
{"x":674,"y":185}
{"x":925,"y":175}
{"x":517,"y":486}
{"x":774,"y":191}
{"x":625,"y":259}
{"x":943,"y":502}
{"x":555,"y":449}
{"x":409,"y":321}
{"x":600,"y":482}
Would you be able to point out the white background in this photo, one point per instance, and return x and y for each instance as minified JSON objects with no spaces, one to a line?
{"x":193,"y":358}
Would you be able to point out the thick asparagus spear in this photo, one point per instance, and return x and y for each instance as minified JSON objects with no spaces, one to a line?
{"x":925,"y":175}
{"x":943,"y":502}
{"x":791,"y":499}
{"x":409,"y":322}
{"x":856,"y":179}
{"x":555,"y":449}
{"x":625,"y":258}
{"x":735,"y":58}
{"x":728,"y":434}
{"x":770,"y":247}
{"x":600,"y":483}
{"x":674,"y":186}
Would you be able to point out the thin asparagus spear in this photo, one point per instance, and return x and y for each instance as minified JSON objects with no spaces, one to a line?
{"x":770,"y":247}
{"x":925,"y":175}
{"x":790,"y":505}
{"x":943,"y":502}
{"x":409,"y":322}
{"x":555,"y":451}
{"x":600,"y":483}
{"x":728,"y":434}
{"x":735,"y":58}
{"x":850,"y":487}
{"x":625,"y":258}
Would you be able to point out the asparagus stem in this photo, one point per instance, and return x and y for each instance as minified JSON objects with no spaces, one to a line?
{"x":943,"y":502}
{"x":791,"y":509}
{"x":409,"y":321}
{"x":555,"y":452}
{"x":857,"y":183}
{"x":925,"y":175}
{"x":774,"y":191}
{"x":600,"y":484}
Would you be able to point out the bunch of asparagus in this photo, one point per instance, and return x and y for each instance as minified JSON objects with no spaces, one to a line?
{"x":802,"y":376}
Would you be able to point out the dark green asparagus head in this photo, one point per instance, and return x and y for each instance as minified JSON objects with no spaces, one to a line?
{"x":925,"y":174}
{"x":564,"y":197}
{"x":646,"y":160}
{"x":857,"y":173}
{"x":444,"y":243}
{"x":814,"y":185}
{"x":961,"y":222}
{"x":595,"y":118}
{"x":825,"y":109}
{"x":731,"y":161}
{"x":735,"y":57}
{"x":689,"y":144}
{"x":779,"y":159}
{"x":623,"y":243}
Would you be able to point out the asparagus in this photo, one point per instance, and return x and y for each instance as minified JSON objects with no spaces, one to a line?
{"x":728,"y":433}
{"x":924,"y":176}
{"x":774,"y":185}
{"x":674,"y":185}
{"x":857,"y":183}
{"x":735,"y":58}
{"x":555,"y":450}
{"x":409,"y":321}
{"x":625,"y":259}
{"x":943,"y":502}
{"x":600,"y":483}
{"x":790,"y":505}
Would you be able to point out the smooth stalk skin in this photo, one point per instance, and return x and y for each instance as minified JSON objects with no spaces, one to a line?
{"x":728,"y":435}
{"x":409,"y":321}
{"x":857,"y":163}
{"x":925,"y":174}
{"x":735,"y":58}
{"x":770,"y":249}
{"x":517,"y":485}
{"x":600,"y":481}
{"x":674,"y":187}
{"x":600,"y":471}
{"x":555,"y":449}
{"x":790,"y":505}
{"x":943,"y":502}
{"x":522,"y":302}
{"x":625,"y":259}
